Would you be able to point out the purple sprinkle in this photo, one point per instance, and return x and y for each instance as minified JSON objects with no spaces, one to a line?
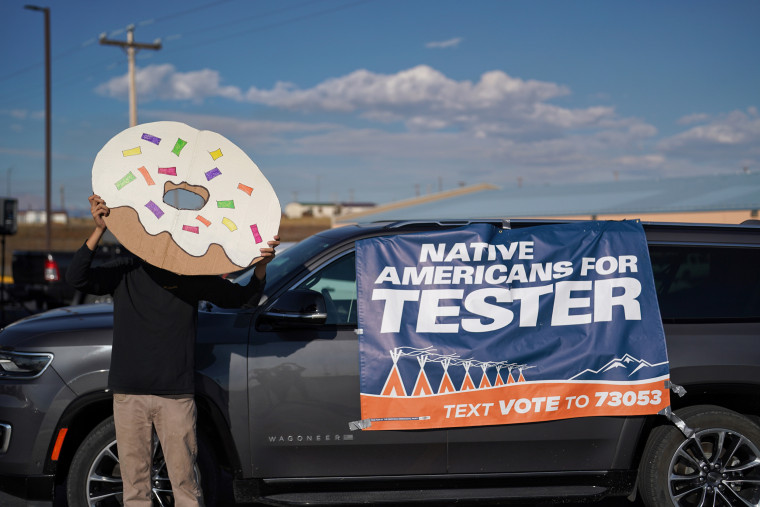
{"x":155,"y":209}
{"x":213,"y":173}
{"x":152,"y":139}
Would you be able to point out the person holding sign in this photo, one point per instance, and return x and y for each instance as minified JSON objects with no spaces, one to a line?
{"x":152,"y":364}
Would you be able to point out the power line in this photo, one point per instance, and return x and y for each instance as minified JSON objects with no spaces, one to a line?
{"x":275,"y":25}
{"x":78,"y":47}
{"x":78,"y":78}
{"x":55,"y":57}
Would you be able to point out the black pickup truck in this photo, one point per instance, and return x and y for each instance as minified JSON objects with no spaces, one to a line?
{"x":277,"y":384}
{"x":38,"y":278}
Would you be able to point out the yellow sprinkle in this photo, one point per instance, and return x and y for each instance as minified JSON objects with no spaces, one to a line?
{"x":230,"y":224}
{"x":216,"y":153}
{"x":133,"y":151}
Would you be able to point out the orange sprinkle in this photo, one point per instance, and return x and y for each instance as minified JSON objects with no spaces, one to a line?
{"x":245,"y":188}
{"x":146,"y":175}
{"x":203,"y":220}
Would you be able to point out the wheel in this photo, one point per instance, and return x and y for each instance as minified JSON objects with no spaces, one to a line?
{"x":718,"y":466}
{"x":95,"y":478}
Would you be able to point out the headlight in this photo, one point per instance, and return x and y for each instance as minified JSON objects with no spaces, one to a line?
{"x":23,"y":365}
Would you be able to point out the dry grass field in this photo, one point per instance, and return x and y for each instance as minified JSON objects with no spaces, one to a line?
{"x":71,"y":236}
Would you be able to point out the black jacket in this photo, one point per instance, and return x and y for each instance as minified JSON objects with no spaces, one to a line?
{"x":155,"y":319}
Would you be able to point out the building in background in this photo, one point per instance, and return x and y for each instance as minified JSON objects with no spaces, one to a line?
{"x":325,"y":209}
{"x":40,"y":217}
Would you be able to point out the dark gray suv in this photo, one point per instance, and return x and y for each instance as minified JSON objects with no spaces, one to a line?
{"x":278,"y":384}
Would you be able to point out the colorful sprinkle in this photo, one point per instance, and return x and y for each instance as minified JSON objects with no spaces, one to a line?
{"x":190,"y":228}
{"x":152,"y":139}
{"x":203,"y":220}
{"x":129,"y":178}
{"x":216,"y":153}
{"x":213,"y":173}
{"x":178,"y":146}
{"x":225,"y":204}
{"x":132,"y":151}
{"x":155,"y":209}
{"x":245,"y":188}
{"x":171,"y":171}
{"x":256,"y":235}
{"x":229,"y":223}
{"x":146,"y":175}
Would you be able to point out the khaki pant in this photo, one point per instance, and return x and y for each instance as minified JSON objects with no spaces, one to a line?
{"x":174,"y":420}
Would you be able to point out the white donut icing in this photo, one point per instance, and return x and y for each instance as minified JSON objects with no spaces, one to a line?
{"x":241,"y":212}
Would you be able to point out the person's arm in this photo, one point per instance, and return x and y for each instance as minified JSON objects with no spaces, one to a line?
{"x":267,"y":255}
{"x":230,"y":295}
{"x":80,"y":274}
{"x":99,"y":211}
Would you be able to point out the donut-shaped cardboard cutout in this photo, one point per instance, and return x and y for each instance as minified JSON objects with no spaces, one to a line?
{"x":235,"y":210}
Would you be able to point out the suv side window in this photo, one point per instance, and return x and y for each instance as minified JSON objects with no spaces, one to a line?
{"x":692,"y":282}
{"x":706,"y":283}
{"x":337,"y":283}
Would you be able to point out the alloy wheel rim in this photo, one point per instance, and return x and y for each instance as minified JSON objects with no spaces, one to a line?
{"x":715,"y":467}
{"x":105,"y":486}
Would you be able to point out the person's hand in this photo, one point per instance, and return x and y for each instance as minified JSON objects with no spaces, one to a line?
{"x":267,"y":254}
{"x":99,"y":210}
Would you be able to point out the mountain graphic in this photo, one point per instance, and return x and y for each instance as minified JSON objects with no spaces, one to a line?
{"x":624,"y":368}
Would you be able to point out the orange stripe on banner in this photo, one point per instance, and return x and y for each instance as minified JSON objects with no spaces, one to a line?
{"x":519,"y":402}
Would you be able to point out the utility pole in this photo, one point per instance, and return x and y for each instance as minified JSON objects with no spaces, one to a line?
{"x":131,"y":48}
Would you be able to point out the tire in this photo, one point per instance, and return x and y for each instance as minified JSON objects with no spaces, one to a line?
{"x":95,"y":479}
{"x":718,"y":466}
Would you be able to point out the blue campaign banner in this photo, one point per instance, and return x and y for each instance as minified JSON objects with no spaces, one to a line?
{"x":481,"y":325}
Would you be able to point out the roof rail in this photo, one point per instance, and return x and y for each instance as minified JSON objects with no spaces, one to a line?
{"x":500,"y":222}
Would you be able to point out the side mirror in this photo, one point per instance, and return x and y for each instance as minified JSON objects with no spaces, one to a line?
{"x":297,"y":308}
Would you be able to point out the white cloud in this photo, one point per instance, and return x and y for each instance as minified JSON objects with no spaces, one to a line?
{"x":420,"y":98}
{"x":423,"y":98}
{"x":731,"y":137}
{"x":421,"y":87}
{"x":693,"y":118}
{"x":226,"y":123}
{"x":163,"y":82}
{"x":648,"y":161}
{"x":420,"y":121}
{"x":444,"y":44}
{"x":23,"y":114}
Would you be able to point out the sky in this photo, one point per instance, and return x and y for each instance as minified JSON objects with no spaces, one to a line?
{"x":383,"y":100}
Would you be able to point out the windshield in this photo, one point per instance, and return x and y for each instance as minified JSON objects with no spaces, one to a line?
{"x":288,"y":260}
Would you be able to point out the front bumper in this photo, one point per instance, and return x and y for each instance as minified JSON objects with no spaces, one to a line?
{"x":29,"y":412}
{"x":39,"y":487}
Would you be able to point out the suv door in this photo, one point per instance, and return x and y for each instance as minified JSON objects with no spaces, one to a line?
{"x":583,"y":444}
{"x":707,"y":293}
{"x":304,"y":391}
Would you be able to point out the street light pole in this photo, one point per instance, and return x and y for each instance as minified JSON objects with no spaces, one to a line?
{"x":48,"y":157}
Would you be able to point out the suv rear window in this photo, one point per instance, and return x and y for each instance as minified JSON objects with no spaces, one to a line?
{"x":707,"y":282}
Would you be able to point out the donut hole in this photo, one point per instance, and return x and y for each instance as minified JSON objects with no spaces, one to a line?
{"x":185,"y":196}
